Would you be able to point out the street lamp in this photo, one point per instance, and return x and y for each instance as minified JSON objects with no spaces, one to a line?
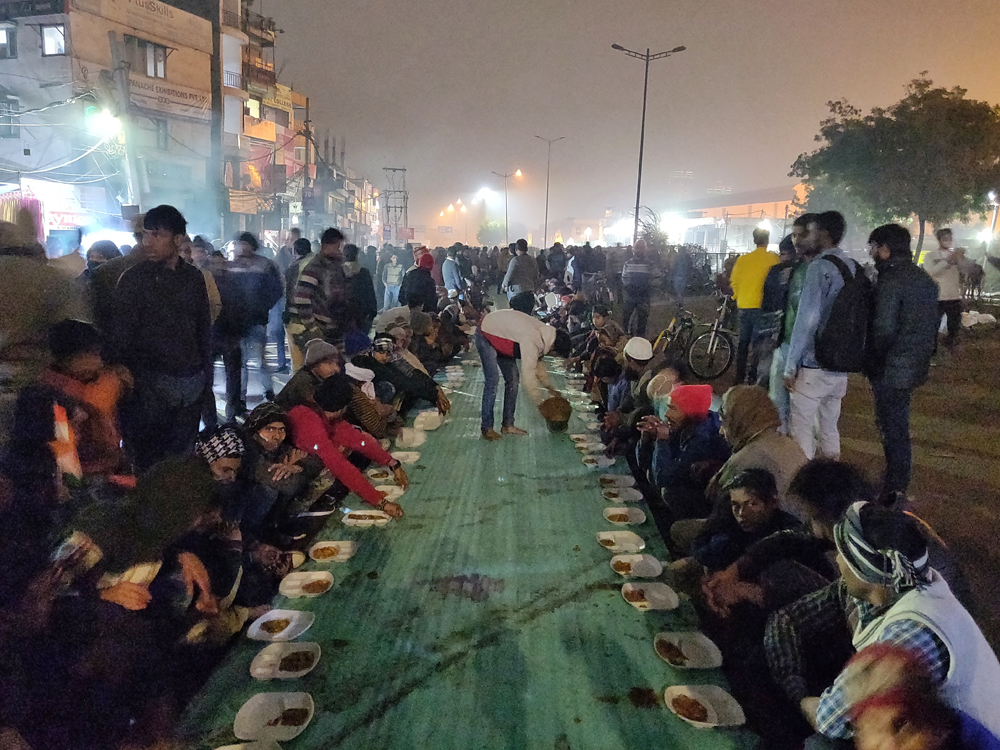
{"x":548,"y":163}
{"x":642,"y":133}
{"x":506,"y":226}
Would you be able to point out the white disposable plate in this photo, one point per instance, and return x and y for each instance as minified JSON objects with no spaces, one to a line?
{"x":590,"y":448}
{"x":260,"y":745}
{"x":616,"y":480}
{"x":292,"y":584}
{"x":635,"y":516}
{"x":428,"y":420}
{"x":379,"y":473}
{"x":722,"y":708}
{"x":701,"y":653}
{"x":641,"y":566}
{"x":655,"y":596}
{"x":598,"y":462}
{"x":406,"y":457}
{"x":621,"y":541}
{"x":374,"y":518}
{"x":410,"y":437}
{"x":447,"y":390}
{"x":392,"y":492}
{"x":345,"y":551}
{"x":252,"y":720}
{"x":267,"y":664}
{"x":581,"y":438}
{"x":622,"y":494}
{"x":299,"y":623}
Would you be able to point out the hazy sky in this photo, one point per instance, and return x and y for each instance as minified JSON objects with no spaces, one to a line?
{"x":455,"y":89}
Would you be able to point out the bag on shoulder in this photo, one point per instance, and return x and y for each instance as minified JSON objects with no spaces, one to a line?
{"x":840,"y":345}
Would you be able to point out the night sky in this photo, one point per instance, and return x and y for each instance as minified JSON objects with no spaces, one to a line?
{"x":455,"y":89}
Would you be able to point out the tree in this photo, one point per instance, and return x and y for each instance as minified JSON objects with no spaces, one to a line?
{"x":490,"y":232}
{"x":934,"y":155}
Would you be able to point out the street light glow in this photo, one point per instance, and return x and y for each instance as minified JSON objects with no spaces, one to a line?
{"x":464,"y":210}
{"x":985,"y":236}
{"x":104,"y":124}
{"x":441,"y":214}
{"x":764,"y":224}
{"x":459,"y":201}
{"x":517,"y":173}
{"x":992,"y":195}
{"x":451,"y":207}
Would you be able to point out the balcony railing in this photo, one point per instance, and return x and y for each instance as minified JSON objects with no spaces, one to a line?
{"x":232,"y":79}
{"x":255,"y":22}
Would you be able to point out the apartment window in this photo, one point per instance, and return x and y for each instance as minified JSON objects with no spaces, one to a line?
{"x":147,"y":58}
{"x":8,"y":43}
{"x":162,"y":135}
{"x":54,"y":40}
{"x":9,"y":121}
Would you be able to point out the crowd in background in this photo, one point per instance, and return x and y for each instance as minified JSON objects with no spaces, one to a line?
{"x":142,"y":528}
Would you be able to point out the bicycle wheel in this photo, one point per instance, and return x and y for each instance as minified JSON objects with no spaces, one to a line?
{"x":711,"y":354}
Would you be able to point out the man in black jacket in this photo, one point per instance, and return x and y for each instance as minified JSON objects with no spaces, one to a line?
{"x":364,"y":307}
{"x":903,"y":334}
{"x":161,"y":331}
{"x":418,"y":287}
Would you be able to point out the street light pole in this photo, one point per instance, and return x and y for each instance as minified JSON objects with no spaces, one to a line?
{"x":642,"y":132}
{"x":505,"y":175}
{"x":548,"y":164}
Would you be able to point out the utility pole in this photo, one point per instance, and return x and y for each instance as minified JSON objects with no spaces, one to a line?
{"x":548,"y":164}
{"x":120,"y":72}
{"x":642,"y":133}
{"x":307,"y":183}
{"x":506,"y":226}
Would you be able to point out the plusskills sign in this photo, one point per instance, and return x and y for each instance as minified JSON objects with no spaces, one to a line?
{"x":158,"y":21}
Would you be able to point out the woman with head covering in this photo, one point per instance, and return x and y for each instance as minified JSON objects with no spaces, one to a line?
{"x":750,"y":425}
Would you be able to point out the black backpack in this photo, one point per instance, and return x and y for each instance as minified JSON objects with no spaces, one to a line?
{"x":840,"y":345}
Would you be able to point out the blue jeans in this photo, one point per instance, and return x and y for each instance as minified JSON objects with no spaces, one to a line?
{"x":749,"y":320}
{"x":892,"y":415}
{"x":493,"y":365}
{"x":276,"y":332}
{"x":253,"y":345}
{"x":391,"y":298}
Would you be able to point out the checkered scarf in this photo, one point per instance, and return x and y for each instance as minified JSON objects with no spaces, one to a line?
{"x":385,"y":344}
{"x":882,"y":567}
{"x":223,"y":443}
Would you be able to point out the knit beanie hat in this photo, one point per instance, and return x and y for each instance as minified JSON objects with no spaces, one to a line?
{"x":356,"y":342}
{"x":263,"y":415}
{"x":693,"y":400}
{"x":334,"y":393}
{"x":420,"y":322}
{"x":317,"y":350}
{"x":384,"y":343}
{"x":67,"y":338}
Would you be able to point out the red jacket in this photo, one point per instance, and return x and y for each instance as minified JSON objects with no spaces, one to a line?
{"x":331,"y":441}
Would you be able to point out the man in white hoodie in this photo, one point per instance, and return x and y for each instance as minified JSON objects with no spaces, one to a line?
{"x":503,"y":337}
{"x":895,"y":597}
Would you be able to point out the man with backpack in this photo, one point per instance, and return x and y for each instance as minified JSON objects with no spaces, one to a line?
{"x":828,"y":340}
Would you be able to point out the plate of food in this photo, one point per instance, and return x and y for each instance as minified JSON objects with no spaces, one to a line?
{"x":406,"y":457}
{"x":581,"y":438}
{"x":260,"y":745}
{"x":616,"y":480}
{"x":306,"y":584}
{"x":621,"y":541}
{"x":280,"y":625}
{"x":704,"y":706}
{"x":647,"y":596}
{"x":690,"y":650}
{"x":365,"y":518}
{"x":591,"y":447}
{"x":392,"y":492}
{"x":428,"y":420}
{"x":274,"y":716}
{"x":326,"y":552}
{"x":379,"y":473}
{"x":625,"y":516}
{"x":598,"y":462}
{"x":285,"y":661}
{"x":622,"y":494}
{"x":636,"y":566}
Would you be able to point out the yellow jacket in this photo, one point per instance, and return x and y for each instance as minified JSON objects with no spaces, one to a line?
{"x":748,"y":277}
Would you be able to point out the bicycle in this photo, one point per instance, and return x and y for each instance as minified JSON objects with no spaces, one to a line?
{"x":709,"y":354}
